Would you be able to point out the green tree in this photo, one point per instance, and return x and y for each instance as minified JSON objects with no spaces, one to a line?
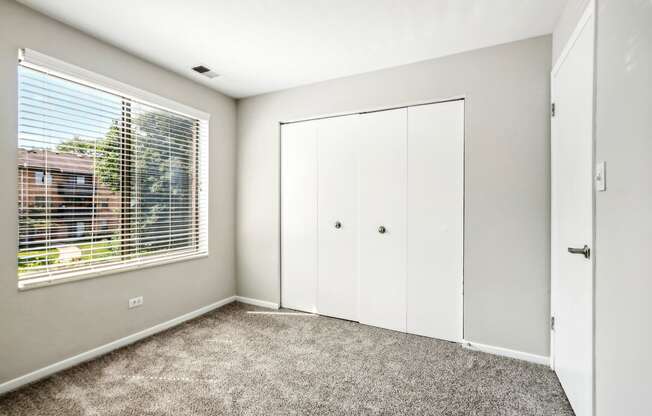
{"x":106,"y":151}
{"x":164,"y":175}
{"x":161,"y":174}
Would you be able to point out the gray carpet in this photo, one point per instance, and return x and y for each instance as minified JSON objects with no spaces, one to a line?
{"x":234,"y":362}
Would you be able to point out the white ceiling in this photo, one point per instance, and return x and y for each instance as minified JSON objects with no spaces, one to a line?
{"x":265,"y":45}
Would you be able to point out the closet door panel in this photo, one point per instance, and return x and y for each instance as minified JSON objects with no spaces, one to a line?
{"x":338,"y":217}
{"x":435,"y":220}
{"x":382,"y":192}
{"x":299,"y":216}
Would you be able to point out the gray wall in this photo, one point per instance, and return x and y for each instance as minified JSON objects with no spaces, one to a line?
{"x":566,"y":24}
{"x":45,"y":325}
{"x":623,"y":280}
{"x":507,"y":289}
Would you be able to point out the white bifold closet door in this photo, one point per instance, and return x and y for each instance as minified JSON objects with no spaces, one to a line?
{"x":372,"y":218}
{"x":337,"y":288}
{"x":435,"y":208}
{"x":383,"y":188}
{"x":299,"y":242}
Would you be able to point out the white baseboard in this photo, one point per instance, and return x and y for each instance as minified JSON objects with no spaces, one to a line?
{"x":96,"y":352}
{"x":519,"y":355}
{"x":257,"y":302}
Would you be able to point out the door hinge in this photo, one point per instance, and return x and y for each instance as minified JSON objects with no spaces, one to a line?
{"x":552,"y":323}
{"x":552,"y":109}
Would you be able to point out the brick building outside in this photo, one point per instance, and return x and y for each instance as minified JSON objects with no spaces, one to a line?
{"x":67,"y":202}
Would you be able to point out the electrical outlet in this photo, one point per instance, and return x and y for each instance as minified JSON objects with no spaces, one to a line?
{"x":136,"y":302}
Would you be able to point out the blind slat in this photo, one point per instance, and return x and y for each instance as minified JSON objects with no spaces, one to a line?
{"x":104,"y":181}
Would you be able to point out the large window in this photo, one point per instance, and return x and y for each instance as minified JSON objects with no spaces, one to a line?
{"x":105,"y":181}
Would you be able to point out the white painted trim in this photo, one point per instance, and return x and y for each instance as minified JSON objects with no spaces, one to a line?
{"x":504,"y":352}
{"x":588,"y":12}
{"x":75,"y":276}
{"x":106,"y":348}
{"x":48,"y":64}
{"x":257,"y":302}
{"x":376,"y":109}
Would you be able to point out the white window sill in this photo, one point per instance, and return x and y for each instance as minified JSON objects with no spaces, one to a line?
{"x":35,"y":283}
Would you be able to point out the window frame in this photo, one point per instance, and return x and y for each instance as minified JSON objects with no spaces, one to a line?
{"x":52,"y":66}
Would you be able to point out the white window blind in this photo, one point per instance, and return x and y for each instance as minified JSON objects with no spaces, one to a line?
{"x":120,"y":182}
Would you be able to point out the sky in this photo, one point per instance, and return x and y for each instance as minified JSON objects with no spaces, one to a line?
{"x":52,"y":110}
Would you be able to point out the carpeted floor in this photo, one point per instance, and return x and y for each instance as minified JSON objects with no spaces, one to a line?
{"x":235,"y":362}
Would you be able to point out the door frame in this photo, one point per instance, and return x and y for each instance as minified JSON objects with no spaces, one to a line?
{"x":590,"y":11}
{"x":462,"y":97}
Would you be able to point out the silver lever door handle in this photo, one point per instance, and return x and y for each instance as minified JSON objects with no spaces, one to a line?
{"x":585,"y":251}
{"x":382,"y":229}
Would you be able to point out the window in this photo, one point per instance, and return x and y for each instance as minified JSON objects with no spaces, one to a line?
{"x":40,"y":178}
{"x":104,"y":148}
{"x":80,"y":229}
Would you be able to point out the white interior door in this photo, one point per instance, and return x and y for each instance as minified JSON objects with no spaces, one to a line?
{"x":338,"y":217}
{"x":299,"y":216}
{"x":572,"y":221}
{"x":435,"y":220}
{"x":382,"y":192}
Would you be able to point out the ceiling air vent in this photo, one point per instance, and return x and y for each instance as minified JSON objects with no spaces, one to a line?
{"x":205,"y":71}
